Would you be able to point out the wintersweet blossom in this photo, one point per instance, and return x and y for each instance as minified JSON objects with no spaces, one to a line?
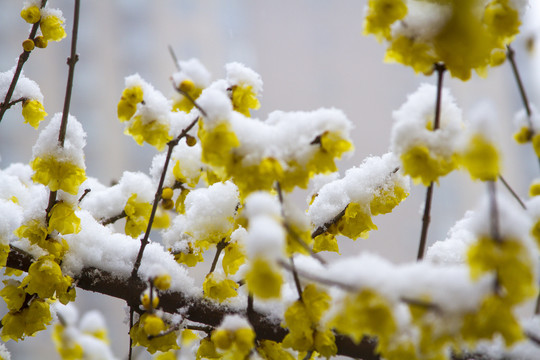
{"x":33,"y":112}
{"x":151,"y":324}
{"x":31,"y":14}
{"x":52,"y":26}
{"x":464,"y":35}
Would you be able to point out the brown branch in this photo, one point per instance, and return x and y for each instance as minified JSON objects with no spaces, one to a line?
{"x":322,"y":229}
{"x":426,"y":218}
{"x":20,"y":63}
{"x":219,"y":248}
{"x":144,"y":240}
{"x":514,"y":194}
{"x":114,"y":218}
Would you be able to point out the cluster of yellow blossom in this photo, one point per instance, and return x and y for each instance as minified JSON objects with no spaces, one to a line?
{"x":33,"y":112}
{"x":27,"y":300}
{"x":233,"y":339}
{"x":465,"y":35}
{"x":150,"y":124}
{"x":51,"y":23}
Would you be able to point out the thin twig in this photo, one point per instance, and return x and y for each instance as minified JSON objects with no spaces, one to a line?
{"x":511,"y":57}
{"x":322,"y":229}
{"x":20,"y":63}
{"x":291,"y":232}
{"x":131,"y":314}
{"x":514,"y":194}
{"x":426,"y":218}
{"x":296,"y":279}
{"x":144,"y":240}
{"x":494,"y":213}
{"x":175,"y":59}
{"x":71,"y":61}
{"x":219,"y":247}
{"x":114,"y":218}
{"x":86,"y":191}
{"x":192,"y":100}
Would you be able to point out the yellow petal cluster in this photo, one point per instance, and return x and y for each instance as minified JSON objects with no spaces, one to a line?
{"x":473,"y":36}
{"x":237,"y":344}
{"x":153,"y":131}
{"x":219,"y":289}
{"x":31,"y":14}
{"x":33,"y":112}
{"x":244,"y":98}
{"x":264,"y":279}
{"x":63,"y":219}
{"x":57,"y":174}
{"x":150,"y":324}
{"x":52,"y":28}
{"x":16,"y":325}
{"x":481,"y":158}
{"x":138,"y":214}
{"x":127,"y":106}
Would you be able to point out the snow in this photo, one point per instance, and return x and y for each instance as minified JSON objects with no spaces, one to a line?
{"x":25,"y":87}
{"x":239,"y":74}
{"x":193,"y":70}
{"x":47,"y":143}
{"x":234,"y":322}
{"x":413,"y":117}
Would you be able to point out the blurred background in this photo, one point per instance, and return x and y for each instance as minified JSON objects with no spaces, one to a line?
{"x":310,"y":54}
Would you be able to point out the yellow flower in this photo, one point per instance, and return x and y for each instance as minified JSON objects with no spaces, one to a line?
{"x":512,"y":262}
{"x":217,"y":143}
{"x":66,"y":346}
{"x":219,"y":289}
{"x":149,"y":324}
{"x":355,"y":223}
{"x":238,"y":343}
{"x":536,"y":144}
{"x":424,"y":166}
{"x":411,"y":52}
{"x":127,"y":106}
{"x":381,"y":14}
{"x":257,"y":177}
{"x":177,"y":172}
{"x":36,"y":232}
{"x":162,"y":282}
{"x":190,"y":258}
{"x":365,"y":313}
{"x":325,"y":242}
{"x":481,"y":159}
{"x":523,"y":135}
{"x":207,"y":350}
{"x":4,"y":252}
{"x":271,"y":350}
{"x":52,"y":28}
{"x":332,"y":146}
{"x":57,"y":174}
{"x":263,"y":279}
{"x":152,"y":131}
{"x":63,"y":219}
{"x":233,"y":258}
{"x":385,"y":200}
{"x":244,"y":98}
{"x":13,"y":294}
{"x":33,"y":112}
{"x":45,"y":279}
{"x":27,"y":321}
{"x":138,"y":214}
{"x":493,"y":317}
{"x":31,"y":14}
{"x":183,"y":103}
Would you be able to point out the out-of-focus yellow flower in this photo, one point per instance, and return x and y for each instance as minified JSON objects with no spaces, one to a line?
{"x":263,"y":279}
{"x":233,"y":258}
{"x":33,"y":112}
{"x":423,"y":166}
{"x":381,"y":14}
{"x":481,"y":159}
{"x":150,"y":324}
{"x":219,"y":289}
{"x":237,"y":343}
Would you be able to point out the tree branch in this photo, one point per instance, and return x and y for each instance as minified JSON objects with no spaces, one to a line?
{"x":20,"y":63}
